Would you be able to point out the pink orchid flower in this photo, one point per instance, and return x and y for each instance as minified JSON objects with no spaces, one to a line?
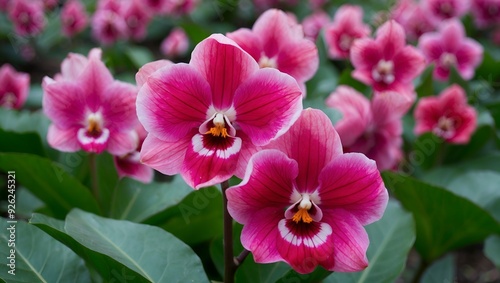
{"x":27,"y":16}
{"x":346,"y":27}
{"x":440,"y":10}
{"x":413,"y":18}
{"x":372,"y":128}
{"x":206,"y":118}
{"x":175,"y":44}
{"x":108,"y":25}
{"x":314,"y":23}
{"x":73,"y":18}
{"x":387,"y":63}
{"x":276,"y":41}
{"x":449,"y":47}
{"x":305,"y":202}
{"x":486,"y":12}
{"x":137,"y":18}
{"x":180,"y":7}
{"x":14,"y":87}
{"x":129,"y":165}
{"x":90,"y":110}
{"x":447,"y":116}
{"x":263,"y":5}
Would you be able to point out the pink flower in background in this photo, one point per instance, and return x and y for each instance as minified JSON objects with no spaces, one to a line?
{"x":73,"y":18}
{"x":49,"y":4}
{"x":313,"y":24}
{"x":485,"y":12}
{"x":108,"y":26}
{"x":346,"y":27}
{"x":413,"y":18}
{"x":27,"y":16}
{"x":317,"y":4}
{"x":305,"y":202}
{"x":137,"y":18}
{"x":449,"y":47}
{"x":275,"y":41}
{"x":372,"y":128}
{"x":447,"y":116}
{"x":14,"y":87}
{"x":175,"y":44}
{"x":386,"y":62}
{"x":440,"y":10}
{"x":89,"y":110}
{"x":129,"y":165}
{"x":206,"y":118}
{"x":180,"y":7}
{"x":263,"y":5}
{"x":4,"y":4}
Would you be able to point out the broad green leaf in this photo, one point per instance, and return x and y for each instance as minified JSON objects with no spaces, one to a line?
{"x":318,"y":275}
{"x":441,"y":271}
{"x":24,"y":121}
{"x":21,"y":143}
{"x":428,"y":150}
{"x":443,"y":175}
{"x":426,"y":87}
{"x":150,"y":251}
{"x":139,"y":55}
{"x":48,"y":182}
{"x":107,"y":177}
{"x":26,"y":202}
{"x":492,"y":249}
{"x":135,"y":201}
{"x":347,"y":79}
{"x":480,"y":187}
{"x":391,"y":239}
{"x":38,"y":257}
{"x":197,"y":218}
{"x":107,"y":268}
{"x":444,"y":220}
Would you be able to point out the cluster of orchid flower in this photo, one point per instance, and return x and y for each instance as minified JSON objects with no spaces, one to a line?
{"x":308,"y":187}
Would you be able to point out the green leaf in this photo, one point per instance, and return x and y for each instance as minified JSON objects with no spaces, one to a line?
{"x":492,"y":249}
{"x":24,"y":121}
{"x":137,"y":202}
{"x":21,"y":143}
{"x":442,"y":270}
{"x":48,"y":182}
{"x":150,"y":251}
{"x":107,"y":178}
{"x":334,"y":114}
{"x":38,"y":257}
{"x":456,"y":78}
{"x":444,"y":220}
{"x":316,"y":276}
{"x":196,"y":219}
{"x":26,"y":203}
{"x":426,"y":86}
{"x":443,"y":175}
{"x":347,"y":79}
{"x":107,"y":268}
{"x":391,"y":239}
{"x":480,"y":187}
{"x":139,"y":55}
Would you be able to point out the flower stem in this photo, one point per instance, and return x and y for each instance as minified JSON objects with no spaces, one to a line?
{"x":241,"y":257}
{"x":229,"y":264}
{"x":93,"y":175}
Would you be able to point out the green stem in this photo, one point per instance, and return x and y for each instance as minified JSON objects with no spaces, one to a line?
{"x":93,"y":176}
{"x":229,"y":264}
{"x":241,"y":257}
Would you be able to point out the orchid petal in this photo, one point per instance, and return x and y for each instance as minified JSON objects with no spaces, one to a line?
{"x":267,"y":104}
{"x":166,"y":157}
{"x":224,"y":65}
{"x":174,"y":100}
{"x":352,"y":182}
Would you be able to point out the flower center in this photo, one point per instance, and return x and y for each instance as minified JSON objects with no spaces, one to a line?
{"x":219,"y":128}
{"x":446,"y":9}
{"x":9,"y":100}
{"x":302,"y":214}
{"x":384,"y":72}
{"x":448,"y":60}
{"x":445,"y":127}
{"x":94,"y":124}
{"x":266,"y":62}
{"x":345,"y":42}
